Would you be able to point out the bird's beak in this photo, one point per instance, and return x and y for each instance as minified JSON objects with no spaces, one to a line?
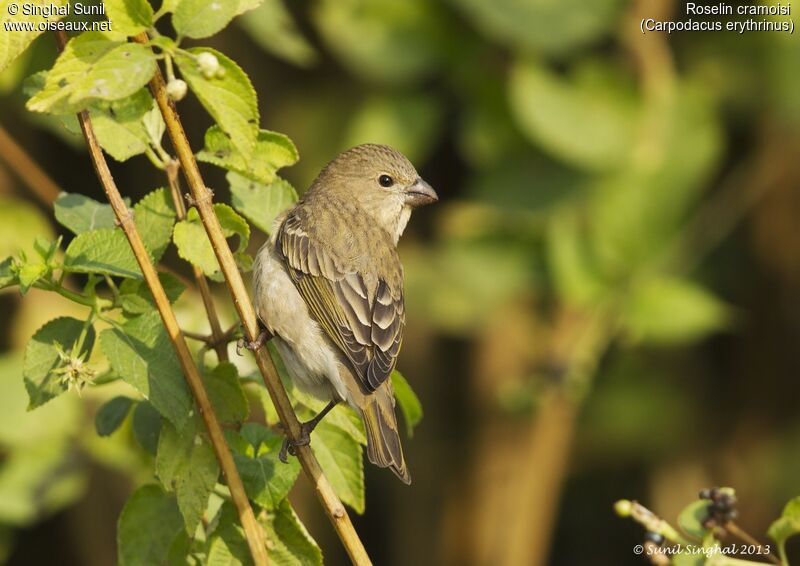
{"x":420,"y":193}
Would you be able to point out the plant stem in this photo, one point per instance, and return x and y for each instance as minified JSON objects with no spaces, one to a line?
{"x":219,"y":345}
{"x":202,"y":197}
{"x":253,"y":532}
{"x":739,"y":532}
{"x":27,"y":169}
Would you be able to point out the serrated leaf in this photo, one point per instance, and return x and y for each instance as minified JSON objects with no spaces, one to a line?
{"x":272,"y":27}
{"x":272,"y":152}
{"x":120,"y":124}
{"x":266,"y":479}
{"x":117,"y":74}
{"x":129,"y":16}
{"x":103,"y":251}
{"x":13,"y":43}
{"x":135,"y":297}
{"x":668,"y":310}
{"x":231,"y":100}
{"x":691,"y":519}
{"x":147,"y":424}
{"x":290,"y":542}
{"x":71,"y":67}
{"x":155,"y":217}
{"x":42,"y":357}
{"x":408,"y":401}
{"x":194,"y":246}
{"x":186,"y":464}
{"x":141,"y":353}
{"x":7,"y":275}
{"x":203,"y":18}
{"x":260,"y":203}
{"x":341,"y":459}
{"x":80,"y":214}
{"x":226,"y":393}
{"x":111,"y":415}
{"x":147,"y":526}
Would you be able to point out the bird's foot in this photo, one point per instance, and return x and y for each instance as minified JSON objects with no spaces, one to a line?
{"x":252,"y":345}
{"x":306,"y":429}
{"x":288,"y":446}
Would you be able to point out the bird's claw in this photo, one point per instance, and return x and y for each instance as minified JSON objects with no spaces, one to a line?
{"x":288,"y":446}
{"x":252,"y":345}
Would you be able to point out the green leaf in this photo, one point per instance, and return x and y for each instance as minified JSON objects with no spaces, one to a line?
{"x":341,"y":460}
{"x":147,"y":424}
{"x":231,"y":100}
{"x":129,"y":16}
{"x":186,"y":464}
{"x":203,"y":18}
{"x":413,"y":34}
{"x":7,"y":275}
{"x":12,"y":44}
{"x":787,"y":525}
{"x":691,"y":519}
{"x":117,"y":74}
{"x":260,"y":203}
{"x":266,"y":479}
{"x":155,"y":217}
{"x":408,"y":401}
{"x":272,"y":27}
{"x":226,"y":393}
{"x":574,"y":268}
{"x":120,"y":125}
{"x":288,"y":540}
{"x":141,"y":353}
{"x":111,"y":415}
{"x":42,"y":357}
{"x":73,"y":65}
{"x":135,"y":297}
{"x":148,"y":524}
{"x":273,"y":151}
{"x":668,"y":310}
{"x":588,"y":121}
{"x":194,"y":246}
{"x":29,"y":274}
{"x":103,"y":251}
{"x":81,"y":214}
{"x":541,"y":25}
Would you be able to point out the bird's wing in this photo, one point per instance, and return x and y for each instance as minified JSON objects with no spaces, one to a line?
{"x":366,"y":326}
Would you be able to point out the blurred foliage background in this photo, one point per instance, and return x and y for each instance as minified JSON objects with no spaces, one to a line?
{"x":604,"y":303}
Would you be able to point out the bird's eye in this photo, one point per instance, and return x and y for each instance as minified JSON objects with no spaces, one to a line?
{"x":385,"y":181}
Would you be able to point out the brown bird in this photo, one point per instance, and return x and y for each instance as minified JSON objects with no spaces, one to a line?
{"x":328,"y":286}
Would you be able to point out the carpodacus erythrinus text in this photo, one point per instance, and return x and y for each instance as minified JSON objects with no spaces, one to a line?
{"x":329,"y":286}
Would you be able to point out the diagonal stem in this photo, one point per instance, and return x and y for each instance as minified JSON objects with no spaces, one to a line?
{"x":124,"y":216}
{"x":203,"y":202}
{"x":218,"y":343}
{"x":18,"y":160}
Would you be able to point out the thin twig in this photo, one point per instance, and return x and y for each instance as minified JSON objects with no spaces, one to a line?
{"x":220,"y":347}
{"x":203,"y":202}
{"x":740,"y":533}
{"x":18,"y":160}
{"x":253,"y":531}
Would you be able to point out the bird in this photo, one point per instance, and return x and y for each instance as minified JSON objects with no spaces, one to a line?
{"x":328,"y":289}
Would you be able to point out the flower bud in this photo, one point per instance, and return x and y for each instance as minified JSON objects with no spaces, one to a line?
{"x":623,"y":508}
{"x":208,"y":64}
{"x":176,"y":89}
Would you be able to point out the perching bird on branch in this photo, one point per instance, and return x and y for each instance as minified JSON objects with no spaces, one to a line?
{"x":328,"y":286}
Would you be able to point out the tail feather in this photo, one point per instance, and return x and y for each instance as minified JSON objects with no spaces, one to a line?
{"x":383,"y":441}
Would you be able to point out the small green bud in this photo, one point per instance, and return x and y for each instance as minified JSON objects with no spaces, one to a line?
{"x":208,"y":64}
{"x":623,"y":508}
{"x":176,"y":89}
{"x":220,"y":74}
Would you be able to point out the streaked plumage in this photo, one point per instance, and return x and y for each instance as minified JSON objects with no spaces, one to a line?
{"x":329,"y":286}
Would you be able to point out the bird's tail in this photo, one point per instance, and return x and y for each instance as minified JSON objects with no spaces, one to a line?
{"x":383,"y":440}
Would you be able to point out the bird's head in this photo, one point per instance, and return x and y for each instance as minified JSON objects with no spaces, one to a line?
{"x":381,"y":180}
